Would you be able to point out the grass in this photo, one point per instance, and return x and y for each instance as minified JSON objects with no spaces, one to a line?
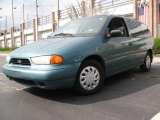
{"x":156,"y":47}
{"x":7,"y":50}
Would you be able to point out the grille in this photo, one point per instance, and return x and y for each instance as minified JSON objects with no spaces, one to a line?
{"x":17,"y":61}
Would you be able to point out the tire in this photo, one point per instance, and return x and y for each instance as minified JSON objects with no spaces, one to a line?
{"x":147,"y":63}
{"x":90,"y":78}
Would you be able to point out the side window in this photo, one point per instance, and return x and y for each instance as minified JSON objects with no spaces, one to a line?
{"x":146,"y":31}
{"x":135,"y":28}
{"x":118,"y":24}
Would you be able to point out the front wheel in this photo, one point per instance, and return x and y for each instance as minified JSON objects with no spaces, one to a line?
{"x":147,"y":63}
{"x":90,"y":78}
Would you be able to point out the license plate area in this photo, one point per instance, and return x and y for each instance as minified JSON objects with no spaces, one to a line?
{"x":13,"y":73}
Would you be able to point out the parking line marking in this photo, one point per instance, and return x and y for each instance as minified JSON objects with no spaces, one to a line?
{"x":156,"y":117}
{"x":18,"y":89}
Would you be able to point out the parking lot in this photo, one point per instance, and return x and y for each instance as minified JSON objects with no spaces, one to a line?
{"x":131,"y":95}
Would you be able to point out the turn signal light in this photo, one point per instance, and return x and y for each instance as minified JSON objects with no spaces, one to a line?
{"x":56,"y":59}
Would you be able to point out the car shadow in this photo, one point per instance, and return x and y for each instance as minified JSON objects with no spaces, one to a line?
{"x":117,"y":86}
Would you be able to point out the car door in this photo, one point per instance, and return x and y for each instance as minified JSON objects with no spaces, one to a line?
{"x":136,"y":43}
{"x":115,"y":49}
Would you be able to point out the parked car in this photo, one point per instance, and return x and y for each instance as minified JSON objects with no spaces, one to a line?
{"x":82,"y":53}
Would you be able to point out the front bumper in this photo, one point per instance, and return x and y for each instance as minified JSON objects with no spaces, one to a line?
{"x":48,"y":78}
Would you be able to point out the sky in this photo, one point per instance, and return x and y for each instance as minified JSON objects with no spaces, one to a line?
{"x":45,"y":8}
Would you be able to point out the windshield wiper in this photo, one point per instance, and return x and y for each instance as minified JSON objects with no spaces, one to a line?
{"x":64,"y":34}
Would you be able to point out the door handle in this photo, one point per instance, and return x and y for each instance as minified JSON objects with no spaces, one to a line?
{"x":130,"y":44}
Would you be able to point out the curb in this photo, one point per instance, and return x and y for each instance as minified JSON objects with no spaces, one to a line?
{"x":156,"y":59}
{"x":1,"y":54}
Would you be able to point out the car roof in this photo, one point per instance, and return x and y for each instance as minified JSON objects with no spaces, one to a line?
{"x":112,"y":16}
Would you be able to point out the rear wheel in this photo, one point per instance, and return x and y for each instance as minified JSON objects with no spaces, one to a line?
{"x":90,"y":77}
{"x":147,"y":63}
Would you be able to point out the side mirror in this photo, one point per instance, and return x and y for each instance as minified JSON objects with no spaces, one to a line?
{"x":116,"y":33}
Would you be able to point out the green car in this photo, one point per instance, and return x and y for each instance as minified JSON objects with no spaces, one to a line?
{"x":82,"y":53}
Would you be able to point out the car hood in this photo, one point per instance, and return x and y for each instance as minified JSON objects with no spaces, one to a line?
{"x":48,"y":46}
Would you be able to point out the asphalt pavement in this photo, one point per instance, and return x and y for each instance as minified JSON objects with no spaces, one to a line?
{"x":131,"y":95}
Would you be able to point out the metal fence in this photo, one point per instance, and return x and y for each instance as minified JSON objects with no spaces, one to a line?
{"x":45,"y":20}
{"x":64,"y":14}
{"x":16,"y":28}
{"x":103,"y":5}
{"x":28,"y":25}
{"x":71,"y":12}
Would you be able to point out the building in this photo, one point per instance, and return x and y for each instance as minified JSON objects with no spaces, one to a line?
{"x":148,"y":11}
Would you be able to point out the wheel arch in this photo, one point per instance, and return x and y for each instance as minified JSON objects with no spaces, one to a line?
{"x":97,"y":58}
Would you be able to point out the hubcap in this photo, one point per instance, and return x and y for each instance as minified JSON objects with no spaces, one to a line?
{"x":148,"y":61}
{"x":89,"y":78}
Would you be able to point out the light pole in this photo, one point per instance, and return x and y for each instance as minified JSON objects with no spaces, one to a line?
{"x":37,"y":9}
{"x":12,"y":15}
{"x":13,"y":8}
{"x":58,"y":14}
{"x":58,"y":5}
{"x":23,"y":15}
{"x":6,"y":22}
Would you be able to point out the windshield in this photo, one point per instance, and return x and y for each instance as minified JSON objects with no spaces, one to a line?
{"x":84,"y":26}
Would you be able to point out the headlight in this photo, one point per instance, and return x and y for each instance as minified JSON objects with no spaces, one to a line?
{"x":8,"y":58}
{"x":47,"y":60}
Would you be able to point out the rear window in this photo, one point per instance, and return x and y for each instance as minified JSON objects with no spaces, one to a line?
{"x":135,"y":28}
{"x":146,"y":31}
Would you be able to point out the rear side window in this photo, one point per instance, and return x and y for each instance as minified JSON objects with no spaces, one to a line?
{"x":146,"y":31}
{"x":135,"y":28}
